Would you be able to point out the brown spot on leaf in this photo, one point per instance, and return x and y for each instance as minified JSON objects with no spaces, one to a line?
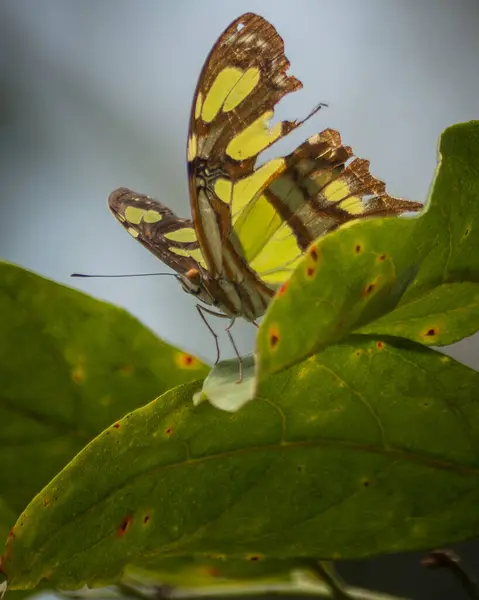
{"x":358,"y":352}
{"x":313,"y":253}
{"x":186,"y":361}
{"x":126,"y":370}
{"x":273,"y":337}
{"x":116,"y":425}
{"x":78,"y":374}
{"x":382,"y":257}
{"x":124,"y":526}
{"x":380,"y":345}
{"x":168,"y":430}
{"x":366,"y":483}
{"x":146,"y":519}
{"x":357,"y":249}
{"x":368,"y":289}
{"x":254,"y":557}
{"x":310,"y":271}
{"x":283,"y":288}
{"x":46,"y":502}
{"x":431,"y":332}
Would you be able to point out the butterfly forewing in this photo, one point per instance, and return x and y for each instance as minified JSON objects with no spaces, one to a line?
{"x":168,"y":237}
{"x":243,"y":78}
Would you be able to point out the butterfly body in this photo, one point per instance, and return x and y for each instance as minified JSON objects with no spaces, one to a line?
{"x":251,"y":224}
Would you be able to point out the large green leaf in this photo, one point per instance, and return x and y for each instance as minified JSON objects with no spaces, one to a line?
{"x":69,"y":366}
{"x":442,"y":305}
{"x":452,"y":220}
{"x":368,"y":447}
{"x":352,"y":279}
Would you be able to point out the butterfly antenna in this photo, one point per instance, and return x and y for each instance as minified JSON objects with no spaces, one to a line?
{"x":312,"y":113}
{"x":125,"y":275}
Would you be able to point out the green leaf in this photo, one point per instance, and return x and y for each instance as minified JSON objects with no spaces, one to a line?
{"x":69,"y":366}
{"x":7,"y":520}
{"x":223,"y":386}
{"x":347,"y":279}
{"x":441,"y":306}
{"x":197,"y":572}
{"x":452,"y":220}
{"x":387,"y":276}
{"x":371,"y":446}
{"x":437,"y":317}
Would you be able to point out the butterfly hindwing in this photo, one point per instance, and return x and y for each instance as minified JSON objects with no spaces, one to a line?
{"x":321,"y":187}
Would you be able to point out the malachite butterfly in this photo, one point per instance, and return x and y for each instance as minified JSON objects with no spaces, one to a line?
{"x":251,"y":224}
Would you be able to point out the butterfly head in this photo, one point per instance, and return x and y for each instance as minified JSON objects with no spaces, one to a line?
{"x":191,"y":282}
{"x":195,"y":282}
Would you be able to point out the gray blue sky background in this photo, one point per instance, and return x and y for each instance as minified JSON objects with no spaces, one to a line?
{"x":96,"y":95}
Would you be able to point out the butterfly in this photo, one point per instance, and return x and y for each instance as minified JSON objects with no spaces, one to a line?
{"x":251,"y":224}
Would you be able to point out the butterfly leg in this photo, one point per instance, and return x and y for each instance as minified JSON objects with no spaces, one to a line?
{"x":240,"y":361}
{"x":200,"y":309}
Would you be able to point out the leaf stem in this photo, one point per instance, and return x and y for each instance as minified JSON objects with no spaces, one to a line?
{"x":446,"y":559}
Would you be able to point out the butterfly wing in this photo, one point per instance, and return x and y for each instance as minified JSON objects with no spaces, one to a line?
{"x":243,"y":78}
{"x":168,"y":237}
{"x":253,"y":223}
{"x":321,"y":187}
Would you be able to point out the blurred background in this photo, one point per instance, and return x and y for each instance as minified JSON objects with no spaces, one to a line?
{"x":96,"y":95}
